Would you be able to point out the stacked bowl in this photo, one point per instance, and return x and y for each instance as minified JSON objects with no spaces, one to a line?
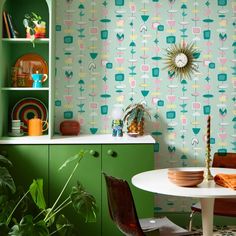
{"x":186,"y":177}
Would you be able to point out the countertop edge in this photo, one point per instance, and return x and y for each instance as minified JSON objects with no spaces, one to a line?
{"x":80,"y":139}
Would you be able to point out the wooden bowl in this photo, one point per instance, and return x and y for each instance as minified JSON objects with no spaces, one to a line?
{"x":186,"y":172}
{"x":186,"y":182}
{"x":186,"y":177}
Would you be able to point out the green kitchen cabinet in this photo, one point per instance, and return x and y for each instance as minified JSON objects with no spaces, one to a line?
{"x":120,"y":160}
{"x":29,"y":162}
{"x":124,"y":161}
{"x":88,"y":173}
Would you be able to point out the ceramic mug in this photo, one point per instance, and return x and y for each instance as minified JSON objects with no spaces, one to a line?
{"x":38,"y":80}
{"x":35,"y":127}
{"x":16,"y":123}
{"x":16,"y":129}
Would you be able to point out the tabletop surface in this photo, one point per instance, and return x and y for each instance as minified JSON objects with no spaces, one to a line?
{"x":157,"y":181}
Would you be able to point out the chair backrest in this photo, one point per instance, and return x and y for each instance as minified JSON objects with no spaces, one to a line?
{"x":225,"y":206}
{"x":224,"y":160}
{"x":121,"y":206}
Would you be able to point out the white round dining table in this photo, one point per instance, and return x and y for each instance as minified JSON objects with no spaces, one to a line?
{"x":157,"y":181}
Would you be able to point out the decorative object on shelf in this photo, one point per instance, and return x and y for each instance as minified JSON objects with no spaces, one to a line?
{"x":208,"y":176}
{"x":16,"y":129}
{"x":182,"y":60}
{"x":70,"y":127}
{"x":14,"y":71}
{"x":28,"y":108}
{"x":38,"y":79}
{"x":25,"y":66}
{"x":117,"y":122}
{"x":14,"y":33}
{"x":6,"y":25}
{"x":36,"y":126}
{"x":134,"y":117}
{"x":35,"y":27}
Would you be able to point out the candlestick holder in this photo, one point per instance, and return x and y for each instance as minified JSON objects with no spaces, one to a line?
{"x":207,"y":174}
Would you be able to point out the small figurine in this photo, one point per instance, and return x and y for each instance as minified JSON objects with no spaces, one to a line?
{"x":117,"y":122}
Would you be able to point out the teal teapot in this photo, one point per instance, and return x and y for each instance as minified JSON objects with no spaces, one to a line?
{"x":38,"y":80}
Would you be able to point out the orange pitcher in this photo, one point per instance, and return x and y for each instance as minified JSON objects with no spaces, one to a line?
{"x":35,"y":126}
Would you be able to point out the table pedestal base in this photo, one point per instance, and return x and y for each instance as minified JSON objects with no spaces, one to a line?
{"x":207,"y":205}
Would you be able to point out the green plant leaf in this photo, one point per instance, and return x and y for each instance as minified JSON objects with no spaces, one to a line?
{"x":127,"y":116}
{"x":52,"y":217}
{"x":36,"y":191}
{"x":5,"y":161}
{"x":25,"y":23}
{"x":35,"y":16}
{"x":135,"y":111}
{"x":132,"y":116}
{"x":27,"y":16}
{"x":28,"y":228}
{"x":64,"y":227}
{"x":6,"y":207}
{"x":31,"y":31}
{"x":84,"y":203}
{"x":6,"y":180}
{"x":140,"y":116}
{"x":76,"y":157}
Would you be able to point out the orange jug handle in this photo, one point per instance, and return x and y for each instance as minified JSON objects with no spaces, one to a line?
{"x":43,"y":124}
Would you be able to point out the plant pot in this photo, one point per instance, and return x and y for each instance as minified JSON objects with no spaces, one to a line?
{"x":136,"y":128}
{"x":70,"y":127}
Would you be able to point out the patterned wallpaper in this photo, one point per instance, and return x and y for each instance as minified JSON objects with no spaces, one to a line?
{"x":110,"y":53}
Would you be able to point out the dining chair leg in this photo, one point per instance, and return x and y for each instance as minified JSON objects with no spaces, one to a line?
{"x":191,"y":220}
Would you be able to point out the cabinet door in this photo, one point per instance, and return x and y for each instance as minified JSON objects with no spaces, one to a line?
{"x":124,"y":161}
{"x":29,"y":162}
{"x":89,"y":175}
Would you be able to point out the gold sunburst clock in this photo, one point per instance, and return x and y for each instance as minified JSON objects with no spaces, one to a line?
{"x":181,"y":60}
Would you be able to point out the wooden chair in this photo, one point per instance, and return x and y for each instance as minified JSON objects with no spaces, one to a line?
{"x":123,"y":213}
{"x":222,"y":206}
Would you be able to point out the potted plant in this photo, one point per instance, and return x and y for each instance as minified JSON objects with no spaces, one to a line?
{"x":19,"y":218}
{"x":35,"y":26}
{"x":134,"y":116}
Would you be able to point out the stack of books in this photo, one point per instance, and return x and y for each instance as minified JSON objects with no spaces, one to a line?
{"x":10,"y":31}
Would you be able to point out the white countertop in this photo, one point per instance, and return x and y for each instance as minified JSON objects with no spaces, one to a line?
{"x":80,"y":139}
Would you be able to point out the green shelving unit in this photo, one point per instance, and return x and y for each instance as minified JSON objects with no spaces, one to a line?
{"x":11,"y":49}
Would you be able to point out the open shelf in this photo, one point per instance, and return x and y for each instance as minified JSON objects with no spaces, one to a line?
{"x":23,"y":89}
{"x":13,"y":49}
{"x":25,"y":40}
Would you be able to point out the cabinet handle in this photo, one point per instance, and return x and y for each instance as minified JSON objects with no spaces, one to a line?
{"x":111,"y":153}
{"x":93,"y":153}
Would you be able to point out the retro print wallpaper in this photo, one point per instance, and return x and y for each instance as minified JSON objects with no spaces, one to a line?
{"x":112,"y":53}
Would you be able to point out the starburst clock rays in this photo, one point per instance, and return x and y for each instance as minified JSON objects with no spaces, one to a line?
{"x":182,"y":60}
